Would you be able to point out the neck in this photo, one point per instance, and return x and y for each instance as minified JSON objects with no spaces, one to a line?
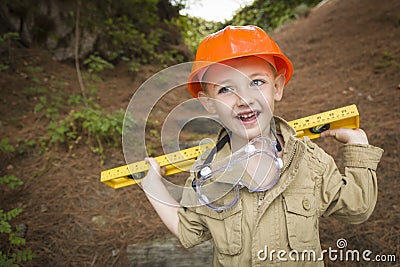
{"x":238,"y":141}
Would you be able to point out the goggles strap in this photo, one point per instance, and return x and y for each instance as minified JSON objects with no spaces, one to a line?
{"x":220,"y":144}
{"x":273,"y":131}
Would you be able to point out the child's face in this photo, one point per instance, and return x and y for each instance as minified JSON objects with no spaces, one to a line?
{"x":242,"y":93}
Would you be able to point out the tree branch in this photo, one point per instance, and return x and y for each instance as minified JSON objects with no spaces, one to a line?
{"x":77,"y":34}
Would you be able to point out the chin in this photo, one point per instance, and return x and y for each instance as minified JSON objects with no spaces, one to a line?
{"x":249,"y":135}
{"x":250,"y":132}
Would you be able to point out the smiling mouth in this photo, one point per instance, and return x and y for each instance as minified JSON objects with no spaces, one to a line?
{"x":248,"y":116}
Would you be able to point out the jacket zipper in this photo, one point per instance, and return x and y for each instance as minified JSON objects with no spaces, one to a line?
{"x":290,"y":160}
{"x":261,"y":197}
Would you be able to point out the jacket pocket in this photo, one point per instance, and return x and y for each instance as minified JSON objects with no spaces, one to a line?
{"x":225,"y":228}
{"x":301,"y":220}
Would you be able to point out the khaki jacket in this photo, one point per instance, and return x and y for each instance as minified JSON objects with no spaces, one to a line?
{"x":273,"y":228}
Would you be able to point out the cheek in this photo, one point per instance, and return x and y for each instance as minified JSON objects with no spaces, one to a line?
{"x":268,"y":97}
{"x":225,"y":102}
{"x":223,"y":109}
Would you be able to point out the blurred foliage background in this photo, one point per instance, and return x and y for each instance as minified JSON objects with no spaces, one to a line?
{"x":135,"y":31}
{"x":269,"y":15}
{"x":98,"y":35}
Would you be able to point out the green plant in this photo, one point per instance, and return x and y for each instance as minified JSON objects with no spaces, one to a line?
{"x":6,"y":41}
{"x":71,"y":126}
{"x":49,"y":108}
{"x":8,"y":36}
{"x":301,"y":11}
{"x":53,"y":101}
{"x":91,"y":125}
{"x":11,"y":180}
{"x":387,"y":60}
{"x":154,"y":133}
{"x":35,"y":90}
{"x":170,"y":56}
{"x":136,"y":29}
{"x":4,"y":67}
{"x":153,"y":137}
{"x":270,"y":15}
{"x":24,"y":144}
{"x":127,"y":41}
{"x":34,"y":71}
{"x":134,"y":66}
{"x":97,"y":64}
{"x":140,"y":39}
{"x":12,"y":253}
{"x":5,"y":146}
{"x":194,"y":29}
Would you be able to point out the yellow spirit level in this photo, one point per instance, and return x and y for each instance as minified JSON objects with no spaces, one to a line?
{"x":312,"y":126}
{"x":180,"y":161}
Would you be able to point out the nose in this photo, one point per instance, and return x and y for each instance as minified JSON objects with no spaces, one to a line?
{"x":244,"y":97}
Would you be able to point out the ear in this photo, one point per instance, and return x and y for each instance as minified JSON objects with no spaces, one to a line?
{"x":207,"y":102}
{"x":279,"y":85}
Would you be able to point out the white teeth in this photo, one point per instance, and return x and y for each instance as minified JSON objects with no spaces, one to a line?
{"x":248,"y":115}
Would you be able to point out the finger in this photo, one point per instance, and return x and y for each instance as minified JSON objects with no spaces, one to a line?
{"x":328,"y":133}
{"x":154,"y":166}
{"x":346,"y":135}
{"x":162,"y":170}
{"x":340,"y":134}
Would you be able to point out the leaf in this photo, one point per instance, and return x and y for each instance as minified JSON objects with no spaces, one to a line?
{"x":5,"y":227}
{"x":11,"y":181}
{"x":12,"y":214}
{"x":23,"y":255}
{"x":16,"y":240}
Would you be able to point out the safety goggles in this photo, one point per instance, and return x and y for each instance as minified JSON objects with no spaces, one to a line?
{"x":255,"y":166}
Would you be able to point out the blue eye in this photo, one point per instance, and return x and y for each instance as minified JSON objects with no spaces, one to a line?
{"x":257,"y":83}
{"x":225,"y":90}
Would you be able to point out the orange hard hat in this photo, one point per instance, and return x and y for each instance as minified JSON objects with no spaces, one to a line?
{"x":234,"y":42}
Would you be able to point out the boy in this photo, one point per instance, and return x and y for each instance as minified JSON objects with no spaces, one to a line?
{"x":238,"y":74}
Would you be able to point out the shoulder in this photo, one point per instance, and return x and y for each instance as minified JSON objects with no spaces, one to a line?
{"x":310,"y":156}
{"x":317,"y":152}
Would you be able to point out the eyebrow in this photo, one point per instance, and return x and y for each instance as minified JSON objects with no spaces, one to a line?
{"x":260,"y":74}
{"x":222,"y":83}
{"x":228,"y":80}
{"x":204,"y":83}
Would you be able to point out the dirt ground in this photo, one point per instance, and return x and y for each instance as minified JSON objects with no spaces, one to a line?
{"x":345,"y":52}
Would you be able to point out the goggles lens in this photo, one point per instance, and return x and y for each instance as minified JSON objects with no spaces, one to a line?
{"x":255,"y":166}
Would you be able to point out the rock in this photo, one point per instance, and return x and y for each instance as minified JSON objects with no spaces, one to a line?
{"x":99,"y":220}
{"x":53,"y":20}
{"x":43,"y":208}
{"x":169,"y":253}
{"x":115,"y":252}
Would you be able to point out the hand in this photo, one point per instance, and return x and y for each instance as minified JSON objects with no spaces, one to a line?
{"x":154,"y":174}
{"x":347,"y":136}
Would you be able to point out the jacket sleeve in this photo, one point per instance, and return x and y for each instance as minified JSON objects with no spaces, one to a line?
{"x":192,"y":230}
{"x":350,"y":197}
